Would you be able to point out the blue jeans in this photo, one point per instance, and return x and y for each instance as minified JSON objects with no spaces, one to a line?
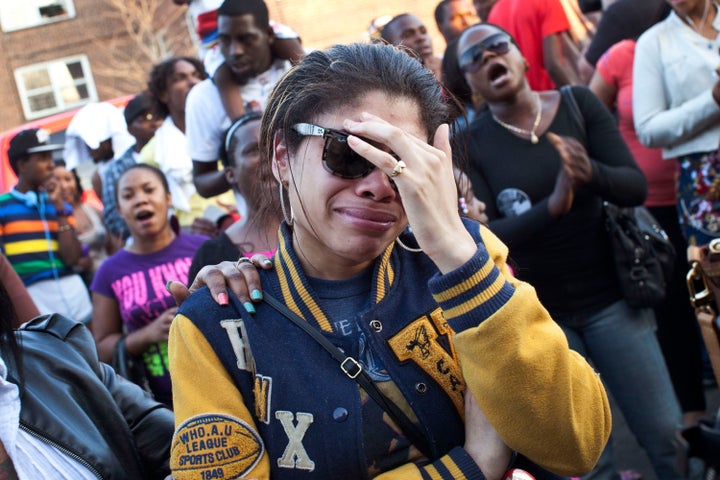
{"x":621,"y":344}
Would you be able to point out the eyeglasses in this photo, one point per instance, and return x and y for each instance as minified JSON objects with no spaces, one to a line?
{"x":469,"y":60}
{"x":338,"y":158}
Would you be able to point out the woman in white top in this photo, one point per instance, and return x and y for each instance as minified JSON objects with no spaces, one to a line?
{"x":675,"y":68}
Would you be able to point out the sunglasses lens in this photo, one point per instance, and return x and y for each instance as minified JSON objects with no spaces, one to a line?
{"x":470,"y":59}
{"x":500,"y":47}
{"x":341,"y":160}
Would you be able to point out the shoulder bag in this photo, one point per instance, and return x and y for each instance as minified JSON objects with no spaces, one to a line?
{"x":643,"y":254}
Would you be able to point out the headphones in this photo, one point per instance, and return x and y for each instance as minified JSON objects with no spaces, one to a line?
{"x":225,"y":152}
{"x":31,"y":198}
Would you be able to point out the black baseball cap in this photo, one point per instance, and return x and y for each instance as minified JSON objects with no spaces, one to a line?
{"x":32,"y":140}
{"x":140,"y":103}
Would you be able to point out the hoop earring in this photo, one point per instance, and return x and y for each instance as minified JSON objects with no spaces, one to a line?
{"x":291,"y":219}
{"x":405,"y":247}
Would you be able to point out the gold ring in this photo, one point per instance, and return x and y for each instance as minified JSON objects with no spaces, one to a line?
{"x":242,"y":260}
{"x":399,"y":167}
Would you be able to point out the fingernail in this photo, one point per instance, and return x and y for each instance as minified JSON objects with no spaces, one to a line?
{"x":167,"y":285}
{"x":267,"y":262}
{"x":256,"y":294}
{"x":249,"y":307}
{"x":222,"y":298}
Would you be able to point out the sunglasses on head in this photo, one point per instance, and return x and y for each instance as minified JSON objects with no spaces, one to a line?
{"x":338,"y":158}
{"x":498,"y":43}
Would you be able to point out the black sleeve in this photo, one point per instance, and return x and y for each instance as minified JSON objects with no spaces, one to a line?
{"x":611,"y":29}
{"x":615,"y":175}
{"x":152,"y":424}
{"x":588,"y":6}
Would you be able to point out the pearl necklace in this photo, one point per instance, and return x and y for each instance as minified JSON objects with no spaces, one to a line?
{"x":530,"y":133}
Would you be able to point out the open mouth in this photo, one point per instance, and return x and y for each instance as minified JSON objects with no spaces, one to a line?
{"x":496,"y":71}
{"x":143,"y":215}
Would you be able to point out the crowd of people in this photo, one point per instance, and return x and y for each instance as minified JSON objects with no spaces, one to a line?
{"x":368,"y":261}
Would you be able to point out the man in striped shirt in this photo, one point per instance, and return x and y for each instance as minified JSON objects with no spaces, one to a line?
{"x":37,"y":233}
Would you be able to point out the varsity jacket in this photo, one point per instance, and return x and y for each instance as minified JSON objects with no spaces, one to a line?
{"x":256,"y":397}
{"x":80,"y":406}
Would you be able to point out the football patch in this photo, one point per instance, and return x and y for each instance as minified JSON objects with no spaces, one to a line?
{"x":214,"y":446}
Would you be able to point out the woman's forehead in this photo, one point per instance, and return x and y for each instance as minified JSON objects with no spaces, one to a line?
{"x":139,"y":176}
{"x":474,"y":34}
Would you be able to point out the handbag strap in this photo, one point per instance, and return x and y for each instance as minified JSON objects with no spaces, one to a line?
{"x":355,"y":371}
{"x":575,"y":113}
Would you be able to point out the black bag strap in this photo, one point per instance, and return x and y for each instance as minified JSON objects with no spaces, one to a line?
{"x":575,"y":113}
{"x":355,"y":371}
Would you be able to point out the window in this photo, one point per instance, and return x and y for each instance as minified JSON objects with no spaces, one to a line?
{"x":19,"y":14}
{"x":52,"y":87}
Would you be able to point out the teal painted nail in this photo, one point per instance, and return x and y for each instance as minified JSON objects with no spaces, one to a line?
{"x":256,"y":294}
{"x":249,"y":307}
{"x":267,"y":262}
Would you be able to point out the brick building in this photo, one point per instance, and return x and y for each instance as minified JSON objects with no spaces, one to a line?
{"x":56,"y":55}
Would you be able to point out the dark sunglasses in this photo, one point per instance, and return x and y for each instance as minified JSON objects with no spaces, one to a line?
{"x":469,"y":60}
{"x":338,"y":158}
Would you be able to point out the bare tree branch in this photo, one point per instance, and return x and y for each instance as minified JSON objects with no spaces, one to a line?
{"x":152,"y":30}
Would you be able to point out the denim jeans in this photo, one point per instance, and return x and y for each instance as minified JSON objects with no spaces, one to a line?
{"x":621,"y":344}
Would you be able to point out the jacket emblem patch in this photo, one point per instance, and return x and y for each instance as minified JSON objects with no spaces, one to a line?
{"x":237,"y":335}
{"x":295,"y":455}
{"x":427,"y":342}
{"x":263,"y":394}
{"x":214,"y":446}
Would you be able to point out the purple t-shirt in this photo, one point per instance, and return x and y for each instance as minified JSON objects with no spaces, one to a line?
{"x":137,"y":282}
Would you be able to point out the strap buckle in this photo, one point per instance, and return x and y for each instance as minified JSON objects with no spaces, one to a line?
{"x":353,"y":370}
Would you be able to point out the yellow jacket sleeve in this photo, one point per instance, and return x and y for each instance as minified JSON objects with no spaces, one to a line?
{"x":213,"y":427}
{"x":544,"y":400}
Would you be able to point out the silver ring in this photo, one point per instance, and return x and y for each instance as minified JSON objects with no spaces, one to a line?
{"x":399,"y":167}
{"x":242,"y":260}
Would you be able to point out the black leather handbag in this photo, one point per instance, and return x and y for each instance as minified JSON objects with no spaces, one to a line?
{"x":643,"y":255}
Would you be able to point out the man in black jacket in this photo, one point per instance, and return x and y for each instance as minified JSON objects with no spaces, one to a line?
{"x":63,"y":414}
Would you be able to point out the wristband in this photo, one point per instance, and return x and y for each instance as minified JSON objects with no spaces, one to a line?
{"x":64,"y":212}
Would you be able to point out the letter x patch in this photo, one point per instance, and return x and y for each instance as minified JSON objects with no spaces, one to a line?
{"x":295,"y":455}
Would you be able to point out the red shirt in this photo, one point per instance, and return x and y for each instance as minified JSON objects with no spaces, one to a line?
{"x":529,"y":21}
{"x":616,"y":68}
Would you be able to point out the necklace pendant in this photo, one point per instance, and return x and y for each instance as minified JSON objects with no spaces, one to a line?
{"x":534,"y":138}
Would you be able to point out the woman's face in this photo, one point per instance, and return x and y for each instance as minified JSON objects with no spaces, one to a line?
{"x":341,"y":225}
{"x":683,"y":8}
{"x":66,"y":184}
{"x":143,"y":202}
{"x":499,"y":68}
